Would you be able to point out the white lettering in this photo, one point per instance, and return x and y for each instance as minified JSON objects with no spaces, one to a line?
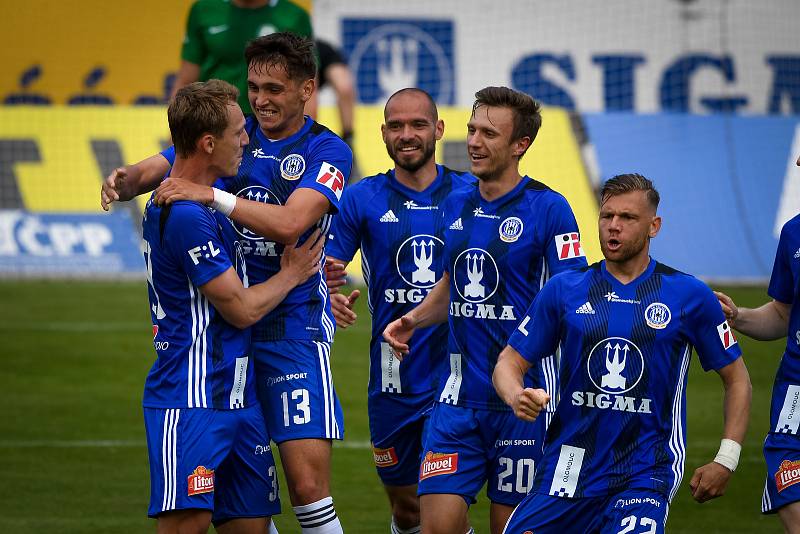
{"x":603,"y":401}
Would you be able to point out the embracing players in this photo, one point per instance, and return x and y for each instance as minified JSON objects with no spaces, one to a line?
{"x":291,"y":179}
{"x":503,"y":239}
{"x":395,"y":219}
{"x":614,"y":454}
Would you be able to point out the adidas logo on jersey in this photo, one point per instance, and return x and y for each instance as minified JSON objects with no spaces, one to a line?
{"x":389,"y":217}
{"x":586,"y":308}
{"x":797,"y":254}
{"x":457,"y":225}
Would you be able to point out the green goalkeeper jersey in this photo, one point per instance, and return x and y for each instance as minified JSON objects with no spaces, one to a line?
{"x":218,"y":31}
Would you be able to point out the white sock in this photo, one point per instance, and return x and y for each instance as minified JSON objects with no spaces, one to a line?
{"x":272,"y":528}
{"x":471,"y":531}
{"x":397,"y":530}
{"x":318,"y":517}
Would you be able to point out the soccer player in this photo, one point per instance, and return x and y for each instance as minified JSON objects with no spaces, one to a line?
{"x":614,"y":453}
{"x":394,"y":219}
{"x":291,"y":179}
{"x":502,"y":240}
{"x":772,"y":321}
{"x":202,"y":418}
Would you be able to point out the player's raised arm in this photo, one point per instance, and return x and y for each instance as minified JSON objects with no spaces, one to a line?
{"x":765,"y":323}
{"x":710,"y":480}
{"x":242,"y":306}
{"x":125,"y":183}
{"x":432,"y":310}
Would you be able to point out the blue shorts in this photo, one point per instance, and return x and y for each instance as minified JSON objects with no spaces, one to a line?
{"x":295,"y":388}
{"x":218,"y":460}
{"x":630,"y":511}
{"x":466,"y":447}
{"x":397,"y":426}
{"x":782,"y":454}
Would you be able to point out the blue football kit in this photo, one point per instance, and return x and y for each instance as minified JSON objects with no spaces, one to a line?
{"x":291,"y":344}
{"x":498,"y":254}
{"x":202,"y":417}
{"x":399,"y":231}
{"x":782,"y":446}
{"x":616,"y":444}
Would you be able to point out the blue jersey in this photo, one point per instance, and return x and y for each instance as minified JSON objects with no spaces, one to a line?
{"x":202,"y":361}
{"x":784,"y":286}
{"x":270,"y":172}
{"x":620,"y":422}
{"x":499,"y":254}
{"x":399,"y":232}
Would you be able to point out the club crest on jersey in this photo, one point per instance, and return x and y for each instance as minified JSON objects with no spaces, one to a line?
{"x":615,"y":365}
{"x":332,"y":178}
{"x":201,"y":481}
{"x":476,"y":275}
{"x":292,"y":167}
{"x":726,"y":335}
{"x":438,"y":463}
{"x":416,"y":259}
{"x":384,"y":457}
{"x":568,"y":246}
{"x":788,"y":474}
{"x":256,"y":193}
{"x":510,"y":229}
{"x":657,"y":315}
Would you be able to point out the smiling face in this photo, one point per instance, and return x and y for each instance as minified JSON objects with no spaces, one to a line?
{"x":411,"y":130}
{"x":489,"y":142}
{"x":228,"y":148}
{"x":276,"y":99}
{"x":627,"y":223}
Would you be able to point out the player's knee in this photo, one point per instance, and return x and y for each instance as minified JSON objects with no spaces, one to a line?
{"x":406,"y":513}
{"x":306,"y":490}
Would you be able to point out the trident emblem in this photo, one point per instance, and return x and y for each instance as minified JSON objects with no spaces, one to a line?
{"x":475,"y":275}
{"x":614,"y":378}
{"x":423,"y":259}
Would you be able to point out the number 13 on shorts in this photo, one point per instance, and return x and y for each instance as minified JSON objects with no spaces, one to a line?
{"x":296,"y":410}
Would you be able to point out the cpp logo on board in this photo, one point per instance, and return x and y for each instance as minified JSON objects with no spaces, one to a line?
{"x":390,"y":54}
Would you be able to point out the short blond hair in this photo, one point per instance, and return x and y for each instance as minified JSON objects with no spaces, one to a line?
{"x":198,"y":109}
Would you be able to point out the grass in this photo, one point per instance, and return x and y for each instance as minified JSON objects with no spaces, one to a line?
{"x":74,"y":356}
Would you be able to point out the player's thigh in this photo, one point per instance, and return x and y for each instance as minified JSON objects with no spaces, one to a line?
{"x":397,"y":426}
{"x":782,"y":456}
{"x":515,"y":448}
{"x":306,"y":461}
{"x":546,"y":514}
{"x":188,"y":521}
{"x":498,"y":516}
{"x":295,"y":389}
{"x":185,"y":449}
{"x":443,"y":513}
{"x":247,"y":480}
{"x":243,"y":525}
{"x":790,"y":517}
{"x":454,"y":461}
{"x":636,"y":512}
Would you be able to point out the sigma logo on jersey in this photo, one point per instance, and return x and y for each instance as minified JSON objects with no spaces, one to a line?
{"x":568,"y":246}
{"x":200,"y":481}
{"x":510,"y":229}
{"x":202,"y":251}
{"x":657,"y":315}
{"x":416,"y":261}
{"x":256,"y":193}
{"x":332,"y":178}
{"x":438,"y":463}
{"x":615,"y":366}
{"x":384,"y":457}
{"x":788,"y":474}
{"x":476,"y":278}
{"x":726,"y":335}
{"x":292,"y":167}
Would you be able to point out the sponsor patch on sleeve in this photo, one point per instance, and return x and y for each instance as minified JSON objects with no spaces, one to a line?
{"x":569,"y":246}
{"x":384,"y":457}
{"x":201,"y":481}
{"x":438,"y":463}
{"x":726,"y":335}
{"x":332,"y":178}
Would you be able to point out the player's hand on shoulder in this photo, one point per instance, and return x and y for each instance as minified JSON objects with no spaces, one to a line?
{"x":174,"y":189}
{"x":397,"y":334}
{"x":709,"y":481}
{"x":529,"y":403}
{"x":334,"y":275}
{"x":300,"y":263}
{"x":111,"y":187}
{"x":342,"y":306}
{"x":729,"y":307}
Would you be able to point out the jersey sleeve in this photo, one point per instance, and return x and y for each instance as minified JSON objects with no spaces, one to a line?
{"x":781,"y":284}
{"x":193,"y":49}
{"x":536,"y":336}
{"x":169,"y":154}
{"x":328,"y":169}
{"x":345,"y":238}
{"x":709,"y":332}
{"x":192,"y":235}
{"x":563,"y":249}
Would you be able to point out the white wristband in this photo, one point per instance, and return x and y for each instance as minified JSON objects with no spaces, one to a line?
{"x":223,"y":202}
{"x":728,"y":454}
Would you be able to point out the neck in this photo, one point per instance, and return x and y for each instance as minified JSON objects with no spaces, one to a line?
{"x":194,"y":169}
{"x":295,"y":127}
{"x":629,"y":270}
{"x":497,"y":186}
{"x":418,"y":180}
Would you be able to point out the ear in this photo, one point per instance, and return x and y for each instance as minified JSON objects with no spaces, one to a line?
{"x":307,"y":89}
{"x":520,"y":146}
{"x":655,"y":226}
{"x":439,"y":129}
{"x":206,"y":143}
{"x":383,"y":132}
